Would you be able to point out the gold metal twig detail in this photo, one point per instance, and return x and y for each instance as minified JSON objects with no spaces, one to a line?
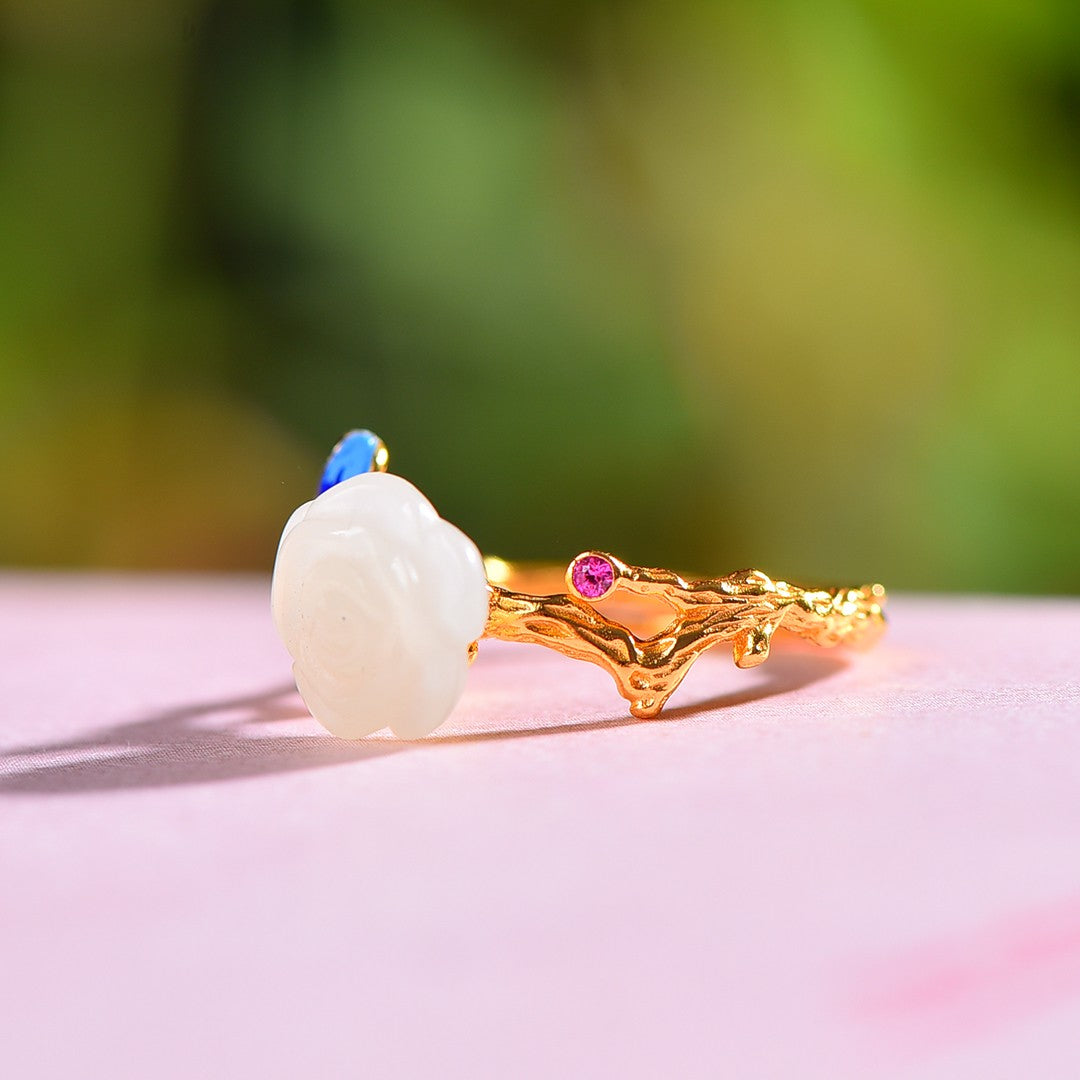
{"x":745,"y":608}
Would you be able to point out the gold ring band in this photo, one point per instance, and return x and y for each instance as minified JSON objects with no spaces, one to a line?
{"x":744,"y":609}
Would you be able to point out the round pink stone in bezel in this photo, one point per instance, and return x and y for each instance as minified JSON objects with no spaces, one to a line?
{"x":592,"y":576}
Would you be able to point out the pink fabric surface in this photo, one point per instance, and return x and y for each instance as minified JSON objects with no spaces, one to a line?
{"x":832,"y":866}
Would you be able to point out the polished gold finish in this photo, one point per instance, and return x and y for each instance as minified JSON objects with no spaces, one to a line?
{"x":745,"y":608}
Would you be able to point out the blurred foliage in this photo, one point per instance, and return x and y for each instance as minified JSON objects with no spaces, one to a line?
{"x":791,"y":284}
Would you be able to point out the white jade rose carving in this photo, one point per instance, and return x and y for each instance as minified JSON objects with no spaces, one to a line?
{"x":377,"y":599}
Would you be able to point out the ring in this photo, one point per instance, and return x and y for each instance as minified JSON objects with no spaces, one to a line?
{"x":381,"y":604}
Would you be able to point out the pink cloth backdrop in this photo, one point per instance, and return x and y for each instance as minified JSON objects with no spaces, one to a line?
{"x":829,"y":867}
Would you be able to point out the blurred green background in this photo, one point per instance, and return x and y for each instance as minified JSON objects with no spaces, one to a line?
{"x":793,"y":285}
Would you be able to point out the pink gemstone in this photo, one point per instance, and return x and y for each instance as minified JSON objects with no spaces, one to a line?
{"x":592,"y":576}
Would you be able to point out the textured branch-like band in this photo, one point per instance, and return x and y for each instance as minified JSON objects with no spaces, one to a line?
{"x":381,"y":604}
{"x":744,"y":609}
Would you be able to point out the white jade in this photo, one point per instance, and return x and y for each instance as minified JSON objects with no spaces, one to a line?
{"x":377,"y":599}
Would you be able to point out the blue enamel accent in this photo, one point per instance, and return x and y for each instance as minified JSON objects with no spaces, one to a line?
{"x":353,"y":456}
